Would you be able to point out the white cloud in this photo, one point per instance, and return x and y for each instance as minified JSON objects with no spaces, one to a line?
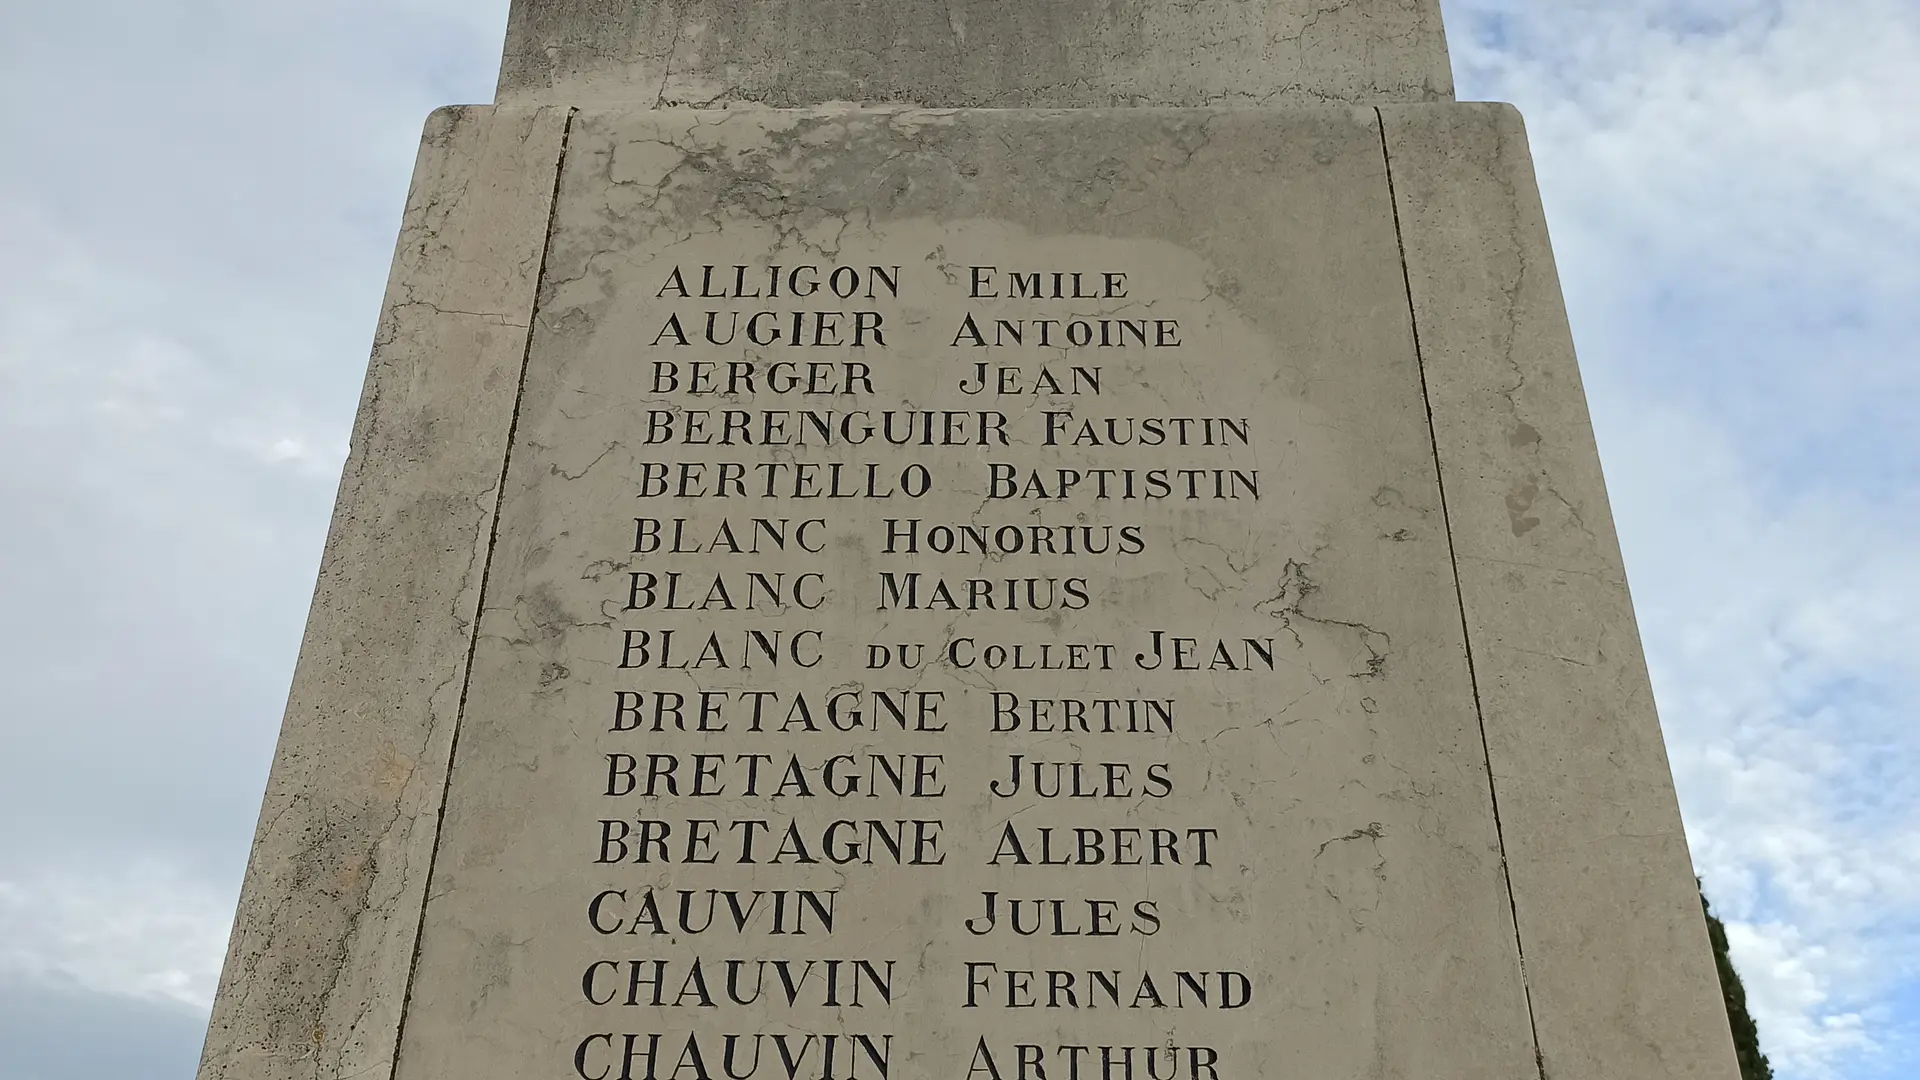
{"x":194,"y":232}
{"x":1782,"y":985}
{"x":1735,"y":193}
{"x":148,"y":932}
{"x":1783,"y":651}
{"x":286,"y":440}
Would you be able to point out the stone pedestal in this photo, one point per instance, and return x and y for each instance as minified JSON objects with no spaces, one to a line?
{"x":1056,"y":54}
{"x":863,"y":591}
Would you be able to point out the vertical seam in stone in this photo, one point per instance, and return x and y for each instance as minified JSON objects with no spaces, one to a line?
{"x":1453,"y":560}
{"x":486,"y":573}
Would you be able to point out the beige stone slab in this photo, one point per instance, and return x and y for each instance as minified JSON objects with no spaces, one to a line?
{"x":1354,"y":872}
{"x":1618,"y":968}
{"x":977,"y":53}
{"x":317,"y":968}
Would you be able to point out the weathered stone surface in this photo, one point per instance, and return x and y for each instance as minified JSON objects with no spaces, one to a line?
{"x":975,"y":53}
{"x":1439,"y":834}
{"x":317,"y":968}
{"x":1353,"y":873}
{"x":1618,"y":969}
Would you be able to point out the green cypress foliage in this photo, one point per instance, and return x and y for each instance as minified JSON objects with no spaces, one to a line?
{"x":1746,"y":1038}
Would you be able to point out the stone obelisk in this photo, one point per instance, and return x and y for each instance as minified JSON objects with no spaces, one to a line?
{"x":975,"y":540}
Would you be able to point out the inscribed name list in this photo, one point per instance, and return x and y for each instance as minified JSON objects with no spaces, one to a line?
{"x":970,"y":602}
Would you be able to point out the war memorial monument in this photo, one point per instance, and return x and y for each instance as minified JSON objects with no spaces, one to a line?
{"x":971,"y":540}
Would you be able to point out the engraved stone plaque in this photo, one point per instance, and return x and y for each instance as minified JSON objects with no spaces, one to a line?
{"x":970,"y":599}
{"x":1113,"y":582}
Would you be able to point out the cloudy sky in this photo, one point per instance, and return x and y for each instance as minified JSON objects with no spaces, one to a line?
{"x":198,"y":200}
